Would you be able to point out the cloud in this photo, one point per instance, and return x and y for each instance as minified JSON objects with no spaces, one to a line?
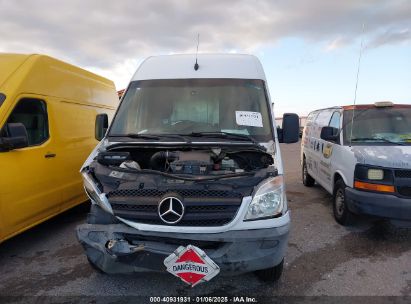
{"x":106,"y":35}
{"x":390,"y":38}
{"x":336,"y":44}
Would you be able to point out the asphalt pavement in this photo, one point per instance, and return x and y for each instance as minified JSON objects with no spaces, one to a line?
{"x":323,"y":258}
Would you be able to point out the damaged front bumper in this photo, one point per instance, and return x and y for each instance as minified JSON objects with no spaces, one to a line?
{"x":379,"y":204}
{"x":117,"y":248}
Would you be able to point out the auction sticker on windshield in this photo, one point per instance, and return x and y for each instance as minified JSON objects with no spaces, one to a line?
{"x":248,"y":118}
{"x":191,"y":265}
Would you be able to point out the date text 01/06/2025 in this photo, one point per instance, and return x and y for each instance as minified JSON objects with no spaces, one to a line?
{"x":203,"y":299}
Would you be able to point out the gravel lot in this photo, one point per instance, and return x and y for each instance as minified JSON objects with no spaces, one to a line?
{"x":323,"y":257}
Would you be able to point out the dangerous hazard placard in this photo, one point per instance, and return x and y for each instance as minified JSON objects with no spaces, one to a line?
{"x":191,"y":265}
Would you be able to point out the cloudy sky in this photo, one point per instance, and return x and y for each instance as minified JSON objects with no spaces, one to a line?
{"x":309,"y":48}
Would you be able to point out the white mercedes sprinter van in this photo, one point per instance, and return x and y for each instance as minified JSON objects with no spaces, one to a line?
{"x":189,"y":176}
{"x":364,"y":162}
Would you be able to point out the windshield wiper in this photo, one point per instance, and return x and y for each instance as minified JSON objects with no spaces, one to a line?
{"x":227,"y":135}
{"x":152,"y":136}
{"x":378,"y":139}
{"x":136,"y":135}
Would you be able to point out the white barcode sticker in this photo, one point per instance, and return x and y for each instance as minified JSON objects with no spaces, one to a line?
{"x":248,"y":118}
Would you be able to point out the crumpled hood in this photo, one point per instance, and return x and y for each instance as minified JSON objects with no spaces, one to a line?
{"x":384,"y":156}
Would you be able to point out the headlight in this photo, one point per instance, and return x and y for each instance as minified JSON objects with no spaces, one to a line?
{"x":371,"y":173}
{"x":268,"y":201}
{"x":371,"y":178}
{"x":375,"y":174}
{"x":95,"y":194}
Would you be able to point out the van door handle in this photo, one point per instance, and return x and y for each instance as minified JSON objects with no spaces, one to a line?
{"x":50,"y":155}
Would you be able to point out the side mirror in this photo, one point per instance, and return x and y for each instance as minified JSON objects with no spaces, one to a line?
{"x":17,"y":137}
{"x":290,"y":131}
{"x":101,"y":126}
{"x":329,"y":134}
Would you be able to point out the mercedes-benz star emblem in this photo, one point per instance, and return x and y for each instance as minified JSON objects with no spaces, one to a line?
{"x":170,"y":210}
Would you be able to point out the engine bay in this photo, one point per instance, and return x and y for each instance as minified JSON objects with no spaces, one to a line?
{"x":189,"y":161}
{"x":233,"y":169}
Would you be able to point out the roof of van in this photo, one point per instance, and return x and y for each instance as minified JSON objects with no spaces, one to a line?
{"x":362,"y":106}
{"x":370,"y":106}
{"x":44,"y":75}
{"x":238,"y":66}
{"x":9,"y":63}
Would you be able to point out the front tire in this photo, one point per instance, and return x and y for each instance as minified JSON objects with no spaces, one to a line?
{"x":272,"y":274}
{"x":342,"y":215}
{"x":308,"y":180}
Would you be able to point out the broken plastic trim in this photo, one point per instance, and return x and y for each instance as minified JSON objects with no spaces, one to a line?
{"x":120,"y":247}
{"x":94,"y":193}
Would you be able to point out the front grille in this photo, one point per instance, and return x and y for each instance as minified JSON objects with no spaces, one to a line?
{"x":183,"y":192}
{"x":129,"y":207}
{"x":202,"y":207}
{"x":403,"y":173}
{"x":405,"y":191}
{"x":402,"y":182}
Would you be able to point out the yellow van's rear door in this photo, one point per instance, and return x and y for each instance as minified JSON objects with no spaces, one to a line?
{"x":29,"y":183}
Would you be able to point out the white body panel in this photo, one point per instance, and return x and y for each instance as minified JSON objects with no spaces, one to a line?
{"x":327,"y":159}
{"x":233,"y":66}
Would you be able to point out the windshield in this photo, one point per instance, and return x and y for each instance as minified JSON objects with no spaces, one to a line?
{"x":390,"y":125}
{"x":184,"y":106}
{"x":2,"y":98}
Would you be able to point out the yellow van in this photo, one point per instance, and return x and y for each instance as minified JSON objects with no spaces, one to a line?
{"x":48,"y":112}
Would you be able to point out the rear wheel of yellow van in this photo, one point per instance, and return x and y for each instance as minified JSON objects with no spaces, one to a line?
{"x":341,"y":213}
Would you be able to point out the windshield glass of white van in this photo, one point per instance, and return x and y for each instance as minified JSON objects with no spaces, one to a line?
{"x":183,"y":106}
{"x":379,"y":125}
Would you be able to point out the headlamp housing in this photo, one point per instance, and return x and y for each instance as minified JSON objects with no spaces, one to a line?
{"x":373,"y":178}
{"x":269,"y":200}
{"x":96,"y":196}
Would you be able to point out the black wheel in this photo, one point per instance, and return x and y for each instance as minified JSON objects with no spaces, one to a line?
{"x":272,"y":274}
{"x":308,"y":180}
{"x":341,"y":213}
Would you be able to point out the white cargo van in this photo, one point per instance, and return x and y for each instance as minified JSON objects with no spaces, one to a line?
{"x":364,"y":162}
{"x":189,"y":176}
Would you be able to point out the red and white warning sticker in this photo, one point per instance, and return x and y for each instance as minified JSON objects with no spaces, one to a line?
{"x":191,"y":265}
